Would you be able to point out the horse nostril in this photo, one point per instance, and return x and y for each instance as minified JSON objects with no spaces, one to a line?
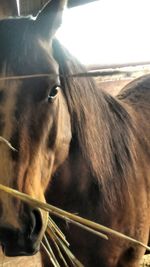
{"x":36,"y":223}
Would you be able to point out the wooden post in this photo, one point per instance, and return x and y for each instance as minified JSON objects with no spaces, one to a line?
{"x":30,"y":7}
{"x":8,"y":8}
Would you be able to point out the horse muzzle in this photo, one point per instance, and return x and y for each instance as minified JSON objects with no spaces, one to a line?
{"x":17,"y":245}
{"x":24,"y":241}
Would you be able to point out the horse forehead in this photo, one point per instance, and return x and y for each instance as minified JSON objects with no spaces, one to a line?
{"x":8,"y":98}
{"x":47,"y":47}
{"x":8,"y":95}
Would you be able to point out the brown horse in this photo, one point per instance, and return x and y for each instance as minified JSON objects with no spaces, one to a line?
{"x":77,"y":146}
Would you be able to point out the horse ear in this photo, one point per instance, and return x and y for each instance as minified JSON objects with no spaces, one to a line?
{"x":49,"y":18}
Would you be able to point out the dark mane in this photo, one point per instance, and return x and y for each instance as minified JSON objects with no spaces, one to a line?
{"x":106,"y":136}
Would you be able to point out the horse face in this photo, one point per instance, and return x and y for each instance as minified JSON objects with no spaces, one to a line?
{"x":34,"y":118}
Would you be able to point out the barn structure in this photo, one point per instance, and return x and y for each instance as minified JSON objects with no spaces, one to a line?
{"x":108,"y":79}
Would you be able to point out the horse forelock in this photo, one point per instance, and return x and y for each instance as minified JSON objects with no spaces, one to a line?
{"x":21,"y":48}
{"x":103,"y":128}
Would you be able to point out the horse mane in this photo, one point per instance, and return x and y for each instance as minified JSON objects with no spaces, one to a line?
{"x":102,"y":126}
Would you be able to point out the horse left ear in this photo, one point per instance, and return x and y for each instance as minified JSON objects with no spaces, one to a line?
{"x":49,"y":18}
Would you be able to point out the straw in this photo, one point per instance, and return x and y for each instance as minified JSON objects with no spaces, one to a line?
{"x":68,"y":216}
{"x":3,"y":140}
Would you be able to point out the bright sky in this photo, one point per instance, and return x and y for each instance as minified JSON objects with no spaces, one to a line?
{"x":108,"y":31}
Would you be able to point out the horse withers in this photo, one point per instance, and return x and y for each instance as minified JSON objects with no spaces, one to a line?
{"x":76,"y":146}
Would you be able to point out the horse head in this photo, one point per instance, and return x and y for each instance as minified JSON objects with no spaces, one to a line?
{"x":32,"y":110}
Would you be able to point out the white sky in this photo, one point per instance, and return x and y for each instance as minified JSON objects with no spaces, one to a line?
{"x":108,"y":31}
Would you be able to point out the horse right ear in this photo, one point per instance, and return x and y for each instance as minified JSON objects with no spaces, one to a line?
{"x":49,"y":18}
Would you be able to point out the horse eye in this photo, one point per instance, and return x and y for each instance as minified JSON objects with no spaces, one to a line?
{"x":53,"y":94}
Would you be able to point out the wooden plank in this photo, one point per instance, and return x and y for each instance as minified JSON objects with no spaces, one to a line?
{"x":8,"y":8}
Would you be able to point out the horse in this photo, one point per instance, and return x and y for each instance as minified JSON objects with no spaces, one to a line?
{"x":76,"y":146}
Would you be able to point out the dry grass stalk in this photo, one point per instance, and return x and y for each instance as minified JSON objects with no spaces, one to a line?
{"x":69,"y":217}
{"x":100,"y":73}
{"x":61,"y":246}
{"x":56,"y":245}
{"x":7,"y":143}
{"x":57,"y":237}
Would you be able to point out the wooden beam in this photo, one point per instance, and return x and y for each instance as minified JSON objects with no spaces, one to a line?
{"x":8,"y":8}
{"x":73,"y":3}
{"x":30,"y":7}
{"x":33,"y":6}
